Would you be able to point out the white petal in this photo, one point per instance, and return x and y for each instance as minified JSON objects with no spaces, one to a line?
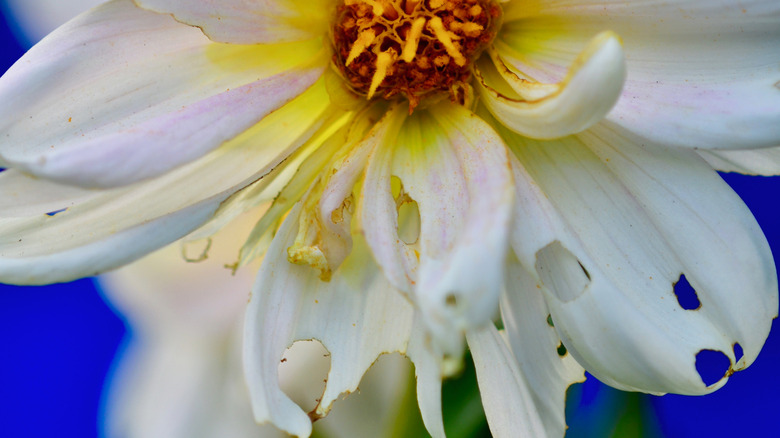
{"x":23,"y":195}
{"x":37,"y":18}
{"x":764,"y":161}
{"x":121,"y":94}
{"x":120,"y":225}
{"x":427,"y":369}
{"x":251,"y":22}
{"x":454,"y":166}
{"x":701,"y":73}
{"x":536,"y":347}
{"x":357,"y":316}
{"x":636,"y":217}
{"x":584,"y":97}
{"x":378,"y":212}
{"x":509,"y":405}
{"x":38,"y":250}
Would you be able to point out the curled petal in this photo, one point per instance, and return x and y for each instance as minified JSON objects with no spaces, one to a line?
{"x":546,"y":111}
{"x":120,"y":95}
{"x":248,"y":21}
{"x":701,"y":73}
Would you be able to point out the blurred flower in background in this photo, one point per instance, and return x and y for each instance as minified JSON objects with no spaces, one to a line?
{"x":173,"y":316}
{"x":180,"y":375}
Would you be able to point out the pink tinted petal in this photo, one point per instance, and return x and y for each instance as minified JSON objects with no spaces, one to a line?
{"x":455,"y":168}
{"x":119,"y":95}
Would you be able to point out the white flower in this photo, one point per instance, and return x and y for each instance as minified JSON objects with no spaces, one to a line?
{"x":420,"y":183}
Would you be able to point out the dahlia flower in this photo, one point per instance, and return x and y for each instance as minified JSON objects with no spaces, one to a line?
{"x":431,"y":165}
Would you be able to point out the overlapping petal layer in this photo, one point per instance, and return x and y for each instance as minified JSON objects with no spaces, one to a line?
{"x":701,"y":73}
{"x":509,"y":406}
{"x":764,"y":161}
{"x":26,"y":196}
{"x":113,"y":227}
{"x":625,"y":220}
{"x":121,"y":94}
{"x":546,"y":366}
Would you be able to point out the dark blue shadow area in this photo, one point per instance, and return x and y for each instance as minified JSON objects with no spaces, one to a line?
{"x":58,"y":343}
{"x":10,"y":47}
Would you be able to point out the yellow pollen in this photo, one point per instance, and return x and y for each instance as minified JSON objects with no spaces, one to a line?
{"x":383,"y":61}
{"x":410,"y":5}
{"x":377,"y":7}
{"x":364,"y":40}
{"x":469,"y":29}
{"x":444,"y":37}
{"x":410,"y":49}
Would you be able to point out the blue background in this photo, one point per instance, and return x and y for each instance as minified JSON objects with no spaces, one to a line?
{"x":57,"y":344}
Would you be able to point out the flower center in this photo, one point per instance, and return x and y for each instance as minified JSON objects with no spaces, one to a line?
{"x":411,"y":48}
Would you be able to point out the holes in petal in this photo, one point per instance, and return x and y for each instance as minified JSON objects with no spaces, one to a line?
{"x":562,"y":349}
{"x":686,"y":294}
{"x":550,"y":321}
{"x":408,"y":213}
{"x":451,"y":299}
{"x":303,"y":372}
{"x":585,"y":271}
{"x":562,"y":272}
{"x":56,"y":212}
{"x":712,"y":366}
{"x":409,"y":222}
{"x":738,"y":353}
